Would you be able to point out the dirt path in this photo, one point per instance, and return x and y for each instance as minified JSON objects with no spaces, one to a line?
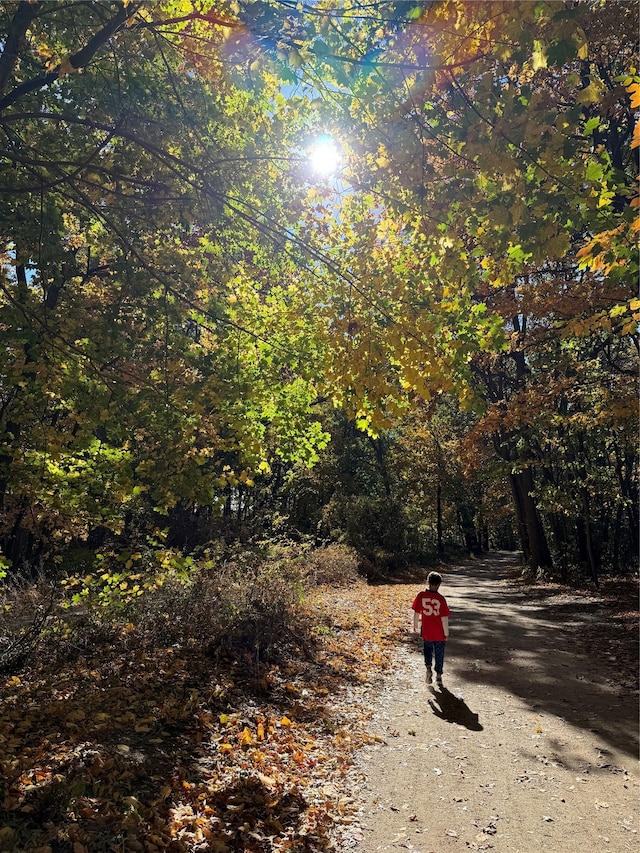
{"x":531,"y":745}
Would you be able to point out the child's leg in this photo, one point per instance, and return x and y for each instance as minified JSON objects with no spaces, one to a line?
{"x":428,"y":653}
{"x":438,"y":648}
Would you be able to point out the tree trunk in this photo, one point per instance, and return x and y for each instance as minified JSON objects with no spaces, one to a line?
{"x":520,"y":520}
{"x":534,"y":541}
{"x":558,"y":528}
{"x":439,"y":517}
{"x":593,"y":563}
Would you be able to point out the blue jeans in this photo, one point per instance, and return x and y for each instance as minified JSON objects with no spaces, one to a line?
{"x":435,"y":648}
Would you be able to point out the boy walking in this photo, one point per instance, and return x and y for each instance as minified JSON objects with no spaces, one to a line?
{"x":431,"y":618}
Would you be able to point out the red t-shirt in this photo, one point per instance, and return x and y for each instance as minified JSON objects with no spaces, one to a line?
{"x":432,"y":607}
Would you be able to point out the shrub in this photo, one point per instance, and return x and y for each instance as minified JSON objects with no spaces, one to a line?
{"x":332,"y":564}
{"x":25,"y":608}
{"x":248,"y":603}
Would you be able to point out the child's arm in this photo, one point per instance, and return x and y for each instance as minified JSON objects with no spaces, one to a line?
{"x":417,"y":619}
{"x":445,"y":626}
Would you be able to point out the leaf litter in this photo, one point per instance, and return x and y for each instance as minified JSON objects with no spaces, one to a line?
{"x":165,"y":749}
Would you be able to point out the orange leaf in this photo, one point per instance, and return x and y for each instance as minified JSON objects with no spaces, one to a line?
{"x":634,"y":91}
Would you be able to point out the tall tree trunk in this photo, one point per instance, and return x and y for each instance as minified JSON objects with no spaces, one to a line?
{"x":520,"y":519}
{"x":468,"y":527}
{"x":559,"y":530}
{"x":439,"y":517}
{"x":537,"y":548}
{"x":616,"y":540}
{"x":379,"y":452}
{"x":593,"y":563}
{"x":624,"y":470}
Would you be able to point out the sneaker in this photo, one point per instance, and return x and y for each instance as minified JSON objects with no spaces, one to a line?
{"x":439,"y":680}
{"x":429,"y":678}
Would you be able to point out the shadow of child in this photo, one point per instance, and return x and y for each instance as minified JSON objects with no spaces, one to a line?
{"x":454,"y":709}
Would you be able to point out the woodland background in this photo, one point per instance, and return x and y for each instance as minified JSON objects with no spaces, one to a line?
{"x":225,"y":377}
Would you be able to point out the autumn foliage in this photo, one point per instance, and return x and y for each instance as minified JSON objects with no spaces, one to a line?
{"x":210,"y":351}
{"x":156,"y":737}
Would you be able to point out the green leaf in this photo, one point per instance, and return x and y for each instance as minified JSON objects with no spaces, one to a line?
{"x":561,"y":52}
{"x":594,"y":172}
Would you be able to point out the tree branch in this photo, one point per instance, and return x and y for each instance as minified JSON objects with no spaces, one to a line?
{"x":74,"y":63}
{"x":17,"y":31}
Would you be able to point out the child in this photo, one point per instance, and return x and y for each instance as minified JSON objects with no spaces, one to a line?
{"x":431,"y":617}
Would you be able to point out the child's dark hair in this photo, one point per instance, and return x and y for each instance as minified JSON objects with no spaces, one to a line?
{"x":434,"y":579}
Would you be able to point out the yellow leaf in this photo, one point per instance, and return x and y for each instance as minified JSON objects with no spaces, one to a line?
{"x":44,"y":51}
{"x":285,"y":721}
{"x":539,"y":55}
{"x":260,"y":731}
{"x":245,"y":737}
{"x":618,"y":311}
{"x":224,"y":718}
{"x":591,"y":94}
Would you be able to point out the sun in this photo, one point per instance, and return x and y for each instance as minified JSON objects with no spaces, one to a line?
{"x":325,"y":156}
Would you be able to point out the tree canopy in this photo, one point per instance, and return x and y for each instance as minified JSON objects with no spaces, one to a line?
{"x":181,"y":294}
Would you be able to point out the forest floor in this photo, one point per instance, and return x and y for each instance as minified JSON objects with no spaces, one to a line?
{"x":118,"y":742}
{"x":532,"y":743}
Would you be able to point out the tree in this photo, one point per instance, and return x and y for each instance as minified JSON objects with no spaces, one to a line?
{"x":145,"y":192}
{"x":498,"y":235}
{"x":178,"y":295}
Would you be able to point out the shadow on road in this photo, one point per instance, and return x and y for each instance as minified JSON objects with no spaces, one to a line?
{"x":537,"y":645}
{"x":454,"y":709}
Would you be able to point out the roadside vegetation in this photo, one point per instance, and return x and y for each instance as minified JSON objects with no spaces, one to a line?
{"x":231,"y":382}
